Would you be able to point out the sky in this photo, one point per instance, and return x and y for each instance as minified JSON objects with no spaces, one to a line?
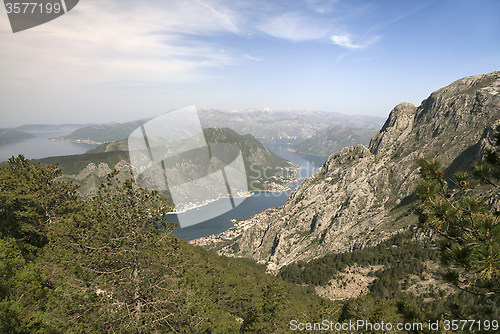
{"x":121,"y":60}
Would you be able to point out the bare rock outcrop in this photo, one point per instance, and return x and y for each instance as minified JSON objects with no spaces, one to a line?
{"x":361,"y":196}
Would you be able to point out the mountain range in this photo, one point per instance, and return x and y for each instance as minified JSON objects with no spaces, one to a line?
{"x":284,"y":127}
{"x":37,"y":129}
{"x":268,"y":126}
{"x":90,"y":168}
{"x":347,"y":234}
{"x":363,"y":195}
{"x":333,"y":139}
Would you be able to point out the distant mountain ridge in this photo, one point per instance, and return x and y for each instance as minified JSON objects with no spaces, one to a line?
{"x":43,"y":128}
{"x":361,"y":196}
{"x":100,"y":134}
{"x":90,"y":168}
{"x":268,"y":126}
{"x":333,"y":139}
{"x":284,"y":127}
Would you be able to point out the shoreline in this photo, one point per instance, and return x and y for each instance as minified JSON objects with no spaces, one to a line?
{"x":235,"y":231}
{"x":274,"y":188}
{"x":77,"y":141}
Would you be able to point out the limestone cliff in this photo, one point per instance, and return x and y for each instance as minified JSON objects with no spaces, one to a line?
{"x":361,"y":195}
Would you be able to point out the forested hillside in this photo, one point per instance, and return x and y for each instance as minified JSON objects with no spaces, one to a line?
{"x":109,"y":264}
{"x":11,"y":136}
{"x":265,"y":170}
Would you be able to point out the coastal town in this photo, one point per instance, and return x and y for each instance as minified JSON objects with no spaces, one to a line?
{"x":235,"y":231}
{"x":183,"y":207}
{"x":275,"y":184}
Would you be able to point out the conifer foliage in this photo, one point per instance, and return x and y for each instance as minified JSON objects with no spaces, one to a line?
{"x":469,"y":229}
{"x":121,"y":269}
{"x":109,"y":264}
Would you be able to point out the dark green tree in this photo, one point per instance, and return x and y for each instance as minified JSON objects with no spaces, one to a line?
{"x":108,"y":264}
{"x":31,"y":200}
{"x":116,"y":265}
{"x":469,"y":230}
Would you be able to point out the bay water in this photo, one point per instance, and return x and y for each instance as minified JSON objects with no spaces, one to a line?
{"x":42,"y":147}
{"x":256,"y":203}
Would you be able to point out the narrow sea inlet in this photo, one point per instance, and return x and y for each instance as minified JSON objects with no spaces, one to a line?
{"x":252,"y":205}
{"x":41,"y":147}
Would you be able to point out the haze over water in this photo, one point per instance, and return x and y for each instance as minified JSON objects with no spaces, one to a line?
{"x":42,"y":147}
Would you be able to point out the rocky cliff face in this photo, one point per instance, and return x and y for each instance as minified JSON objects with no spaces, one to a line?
{"x":361,"y":195}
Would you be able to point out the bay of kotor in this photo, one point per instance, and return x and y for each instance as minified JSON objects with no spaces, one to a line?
{"x":256,"y":203}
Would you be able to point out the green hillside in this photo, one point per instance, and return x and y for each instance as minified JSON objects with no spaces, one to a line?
{"x":265,"y":170}
{"x":103,"y":133}
{"x":11,"y":136}
{"x":402,"y":279}
{"x":73,"y":164}
{"x":105,"y":266}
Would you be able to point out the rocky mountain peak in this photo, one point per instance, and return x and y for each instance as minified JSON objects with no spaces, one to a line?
{"x":399,"y":123}
{"x":484,"y":83}
{"x":361,"y":196}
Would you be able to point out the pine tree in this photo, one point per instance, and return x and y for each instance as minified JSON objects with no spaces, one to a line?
{"x":30,"y":201}
{"x":469,"y":231}
{"x":117,"y":264}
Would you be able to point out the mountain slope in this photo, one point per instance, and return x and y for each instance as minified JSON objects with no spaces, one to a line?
{"x":99,"y":134}
{"x":333,"y":139}
{"x":90,"y":168}
{"x":361,"y":196}
{"x":11,"y":136}
{"x":40,"y":129}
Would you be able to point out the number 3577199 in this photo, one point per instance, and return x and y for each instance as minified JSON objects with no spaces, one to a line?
{"x":32,"y":7}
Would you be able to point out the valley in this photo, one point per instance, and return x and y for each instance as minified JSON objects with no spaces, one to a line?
{"x":333,"y":139}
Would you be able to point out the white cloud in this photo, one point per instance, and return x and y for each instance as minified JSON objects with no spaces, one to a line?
{"x":226,"y":17}
{"x":322,"y":6}
{"x":253,"y":58}
{"x":103,"y":41}
{"x":346,"y":42}
{"x":294,"y":27}
{"x":130,"y":43}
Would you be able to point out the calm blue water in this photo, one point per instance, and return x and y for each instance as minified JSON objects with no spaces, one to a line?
{"x":42,"y":147}
{"x":258,"y":202}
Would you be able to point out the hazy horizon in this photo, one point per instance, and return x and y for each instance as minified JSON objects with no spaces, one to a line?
{"x":228,"y":111}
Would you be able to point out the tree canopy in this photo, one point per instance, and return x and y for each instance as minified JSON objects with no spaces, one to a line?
{"x":469,"y":229}
{"x":109,"y":264}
